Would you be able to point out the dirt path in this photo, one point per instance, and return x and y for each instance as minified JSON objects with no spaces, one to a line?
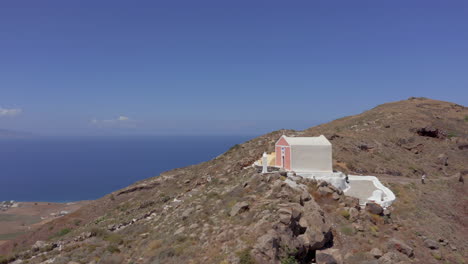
{"x":405,"y":180}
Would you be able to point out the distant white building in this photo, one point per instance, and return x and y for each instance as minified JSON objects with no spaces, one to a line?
{"x":304,"y":154}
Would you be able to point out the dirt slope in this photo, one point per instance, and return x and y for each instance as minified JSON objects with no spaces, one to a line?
{"x":224,"y":211}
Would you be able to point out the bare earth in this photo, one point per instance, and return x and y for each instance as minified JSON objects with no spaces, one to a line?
{"x":18,"y":220}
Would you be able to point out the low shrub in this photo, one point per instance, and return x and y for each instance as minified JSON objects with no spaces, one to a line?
{"x":62,"y":232}
{"x":146,"y":204}
{"x":164,"y":198}
{"x":245,"y":257}
{"x":107,"y":236}
{"x":437,"y":255}
{"x":113,"y":238}
{"x":236,"y":146}
{"x":289,"y":260}
{"x":374,"y":230}
{"x":98,"y":232}
{"x":167,"y":253}
{"x":345,"y":214}
{"x":347,"y":230}
{"x":113,"y":249}
{"x":451,"y":135}
{"x":376,"y":219}
{"x":155,"y":244}
{"x":99,"y":219}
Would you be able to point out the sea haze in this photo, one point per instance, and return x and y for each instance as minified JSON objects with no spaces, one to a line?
{"x":72,"y":169}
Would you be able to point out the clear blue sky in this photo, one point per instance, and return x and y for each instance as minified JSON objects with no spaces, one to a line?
{"x":221,"y":67}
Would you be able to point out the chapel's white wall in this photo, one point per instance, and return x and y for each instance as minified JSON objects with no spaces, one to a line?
{"x":311,"y":158}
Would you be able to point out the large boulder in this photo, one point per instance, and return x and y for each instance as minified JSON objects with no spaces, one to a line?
{"x":187,"y":213}
{"x":398,"y":245}
{"x":353,"y":213}
{"x":374,"y":208}
{"x":432,"y":244}
{"x":238,"y":208}
{"x":335,"y":254}
{"x":324,"y":190}
{"x":376,"y":253}
{"x":323,"y":258}
{"x":431,"y":132}
{"x":301,"y":229}
{"x":39,"y":245}
{"x":390,"y":258}
{"x":267,"y":247}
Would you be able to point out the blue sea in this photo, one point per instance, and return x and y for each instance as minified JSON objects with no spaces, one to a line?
{"x":72,"y":169}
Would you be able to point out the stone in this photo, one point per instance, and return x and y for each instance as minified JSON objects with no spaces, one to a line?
{"x":323,"y":184}
{"x":351,"y":202}
{"x":431,"y":132}
{"x":266,"y":248}
{"x":335,"y":196}
{"x":305,"y":196}
{"x":358,"y":227}
{"x":285,"y":219}
{"x":353,"y":214}
{"x":301,"y":228}
{"x":374,"y":261}
{"x":400,"y":246}
{"x":179,"y":231}
{"x":324,"y":190}
{"x":187,"y":213}
{"x":323,"y":258}
{"x":429,"y":243}
{"x":437,"y":254}
{"x":239,"y":208}
{"x":334,"y":252}
{"x":39,"y":245}
{"x":442,"y":159}
{"x":389,"y":258}
{"x":374,"y":208}
{"x":387,"y":212}
{"x":376,"y":253}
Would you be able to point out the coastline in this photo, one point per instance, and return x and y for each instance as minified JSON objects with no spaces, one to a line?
{"x":22,"y":217}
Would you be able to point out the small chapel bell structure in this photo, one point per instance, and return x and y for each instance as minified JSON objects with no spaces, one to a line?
{"x":264,"y":163}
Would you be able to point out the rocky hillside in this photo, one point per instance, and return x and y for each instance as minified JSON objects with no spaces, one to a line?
{"x":225,"y":211}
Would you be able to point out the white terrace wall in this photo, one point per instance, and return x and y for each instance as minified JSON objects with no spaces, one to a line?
{"x":389,"y":196}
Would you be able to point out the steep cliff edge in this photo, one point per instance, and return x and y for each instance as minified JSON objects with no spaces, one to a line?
{"x":224,"y":211}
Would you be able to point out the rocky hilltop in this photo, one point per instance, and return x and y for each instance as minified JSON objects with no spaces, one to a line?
{"x":225,"y":211}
